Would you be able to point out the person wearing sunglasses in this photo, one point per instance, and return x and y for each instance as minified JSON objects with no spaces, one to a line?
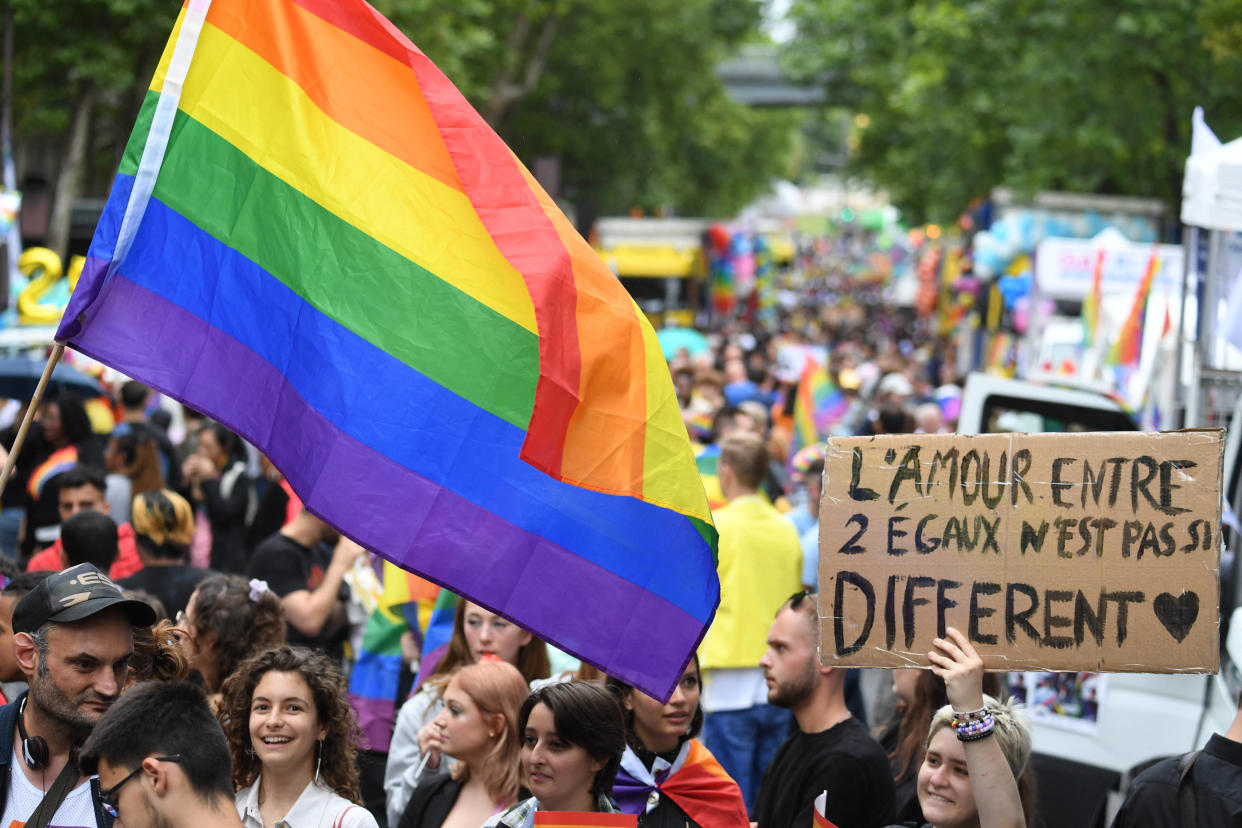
{"x":162,"y":760}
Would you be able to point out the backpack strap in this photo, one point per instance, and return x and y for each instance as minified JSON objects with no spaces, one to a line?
{"x":340,"y":818}
{"x":1186,"y":810}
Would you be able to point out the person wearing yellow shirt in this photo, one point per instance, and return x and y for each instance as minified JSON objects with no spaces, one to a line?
{"x":760,"y":566}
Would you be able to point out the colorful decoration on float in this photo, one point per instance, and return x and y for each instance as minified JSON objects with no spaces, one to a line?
{"x":456,"y":380}
{"x":43,"y":268}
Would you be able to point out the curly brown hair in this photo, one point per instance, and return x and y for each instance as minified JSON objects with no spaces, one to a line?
{"x":328,"y":688}
{"x":229,"y":626}
{"x":157,"y":655}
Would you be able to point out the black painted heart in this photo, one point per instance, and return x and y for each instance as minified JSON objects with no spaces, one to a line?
{"x":1177,"y":614}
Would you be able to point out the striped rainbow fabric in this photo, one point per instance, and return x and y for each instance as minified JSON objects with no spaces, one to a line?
{"x":818,"y":407}
{"x":315,"y":239}
{"x":1128,"y":348}
{"x":1091,"y":303}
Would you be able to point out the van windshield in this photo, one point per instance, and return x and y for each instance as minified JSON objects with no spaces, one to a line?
{"x":1023,"y":414}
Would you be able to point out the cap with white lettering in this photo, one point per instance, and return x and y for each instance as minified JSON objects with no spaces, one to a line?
{"x":73,"y":594}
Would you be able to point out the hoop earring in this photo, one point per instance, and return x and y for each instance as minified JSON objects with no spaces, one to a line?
{"x":318,"y":761}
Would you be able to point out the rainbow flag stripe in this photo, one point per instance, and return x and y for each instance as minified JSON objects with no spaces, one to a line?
{"x":314,"y":238}
{"x":1128,"y":348}
{"x":583,"y":819}
{"x":375,"y":676}
{"x":61,"y":460}
{"x":818,"y":406}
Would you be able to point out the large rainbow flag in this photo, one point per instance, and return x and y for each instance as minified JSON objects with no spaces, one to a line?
{"x":315,"y":239}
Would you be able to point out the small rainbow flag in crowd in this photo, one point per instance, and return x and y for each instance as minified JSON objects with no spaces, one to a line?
{"x":436,"y":633}
{"x":61,"y":460}
{"x":818,"y":407}
{"x":1091,"y":305}
{"x":375,"y":676}
{"x":315,"y":239}
{"x":1129,"y":345}
{"x":583,"y":819}
{"x":376,"y":673}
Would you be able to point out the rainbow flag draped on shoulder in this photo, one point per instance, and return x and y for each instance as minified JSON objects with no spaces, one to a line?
{"x":315,"y":239}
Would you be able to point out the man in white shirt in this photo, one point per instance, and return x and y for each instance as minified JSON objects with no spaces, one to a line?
{"x":72,"y":639}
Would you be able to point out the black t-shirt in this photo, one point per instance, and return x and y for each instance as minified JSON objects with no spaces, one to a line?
{"x":288,"y":566}
{"x":173,"y":585}
{"x":843,"y":760}
{"x":1217,"y":779}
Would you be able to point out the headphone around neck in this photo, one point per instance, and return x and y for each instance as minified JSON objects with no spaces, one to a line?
{"x":34,"y":748}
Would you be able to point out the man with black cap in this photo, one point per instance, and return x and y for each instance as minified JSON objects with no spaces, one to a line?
{"x":73,"y":638}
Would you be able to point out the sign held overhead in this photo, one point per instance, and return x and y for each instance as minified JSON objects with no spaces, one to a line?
{"x":1091,"y":551}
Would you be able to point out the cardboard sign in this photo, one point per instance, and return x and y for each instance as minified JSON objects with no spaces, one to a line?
{"x":1050,"y":552}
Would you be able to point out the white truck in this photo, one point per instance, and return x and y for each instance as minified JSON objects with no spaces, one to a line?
{"x":1081,"y":772}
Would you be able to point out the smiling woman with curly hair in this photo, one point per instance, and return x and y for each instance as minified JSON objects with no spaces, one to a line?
{"x":294,"y":740}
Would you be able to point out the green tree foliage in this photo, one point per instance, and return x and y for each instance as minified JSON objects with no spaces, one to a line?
{"x":1071,"y":95}
{"x":623,"y":92}
{"x":79,"y":72}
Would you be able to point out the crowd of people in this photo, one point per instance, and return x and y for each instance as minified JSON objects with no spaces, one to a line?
{"x":186,"y":632}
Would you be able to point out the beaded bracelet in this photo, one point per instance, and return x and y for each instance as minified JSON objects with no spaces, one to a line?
{"x":970,"y":715}
{"x":975,"y":737}
{"x":986,"y":723}
{"x":976,"y":729}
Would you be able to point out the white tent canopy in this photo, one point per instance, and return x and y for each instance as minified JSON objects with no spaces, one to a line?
{"x":1212,"y":187}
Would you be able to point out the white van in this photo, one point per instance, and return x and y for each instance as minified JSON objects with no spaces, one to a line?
{"x":1141,"y":718}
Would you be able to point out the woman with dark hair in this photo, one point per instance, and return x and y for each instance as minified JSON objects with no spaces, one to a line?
{"x":477,"y":634}
{"x":478,"y":728}
{"x":294,"y":741}
{"x":163,"y":525}
{"x":133,"y":464}
{"x":667,"y":777}
{"x":66,"y":430}
{"x":227,"y":620}
{"x":573,"y":736}
{"x":218,"y":483}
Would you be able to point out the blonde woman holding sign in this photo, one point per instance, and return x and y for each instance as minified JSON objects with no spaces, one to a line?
{"x":976,"y":749}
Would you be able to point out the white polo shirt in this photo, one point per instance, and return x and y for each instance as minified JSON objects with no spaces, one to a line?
{"x":317,"y":807}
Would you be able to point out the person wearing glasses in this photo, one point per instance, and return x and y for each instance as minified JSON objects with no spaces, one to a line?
{"x":830,"y":749}
{"x":73,"y":638}
{"x":294,"y":740}
{"x":162,"y":760}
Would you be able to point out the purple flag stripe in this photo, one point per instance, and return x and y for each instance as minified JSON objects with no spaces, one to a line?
{"x":375,"y":717}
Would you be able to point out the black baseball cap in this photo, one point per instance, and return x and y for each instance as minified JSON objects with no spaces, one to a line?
{"x":73,"y":594}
